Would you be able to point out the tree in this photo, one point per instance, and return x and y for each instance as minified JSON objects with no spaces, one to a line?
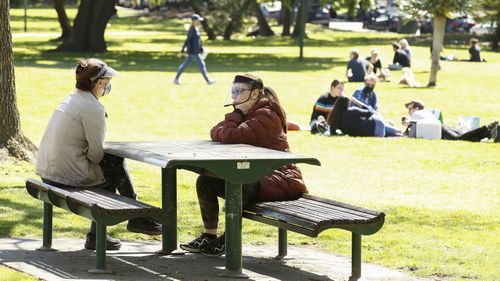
{"x":264,"y":29}
{"x":286,"y":18}
{"x":440,"y":10}
{"x":63,"y":20}
{"x":493,"y":12}
{"x":11,"y":136}
{"x":90,"y":24}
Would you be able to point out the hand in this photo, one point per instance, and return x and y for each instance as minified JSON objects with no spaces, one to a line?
{"x":246,"y":106}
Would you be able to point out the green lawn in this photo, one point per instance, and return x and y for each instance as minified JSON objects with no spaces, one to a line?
{"x":441,"y":198}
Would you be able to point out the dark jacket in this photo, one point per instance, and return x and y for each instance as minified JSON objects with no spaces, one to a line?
{"x":264,"y":126}
{"x":474,"y":52}
{"x":357,"y":122}
{"x":402,"y":58}
{"x":193,"y":41}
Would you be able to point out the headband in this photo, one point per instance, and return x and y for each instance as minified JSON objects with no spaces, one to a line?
{"x":247,"y":80}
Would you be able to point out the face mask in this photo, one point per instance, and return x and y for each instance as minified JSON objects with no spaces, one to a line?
{"x":235,"y":92}
{"x":368,"y":89}
{"x":107,"y":89}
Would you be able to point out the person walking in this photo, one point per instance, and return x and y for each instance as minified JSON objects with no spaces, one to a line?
{"x":194,"y":50}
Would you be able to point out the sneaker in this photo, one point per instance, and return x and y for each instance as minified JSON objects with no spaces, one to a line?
{"x":176,"y":81}
{"x":210,"y":82}
{"x":215,"y":248}
{"x":111,"y":243}
{"x":145,"y":226}
{"x":194,"y":246}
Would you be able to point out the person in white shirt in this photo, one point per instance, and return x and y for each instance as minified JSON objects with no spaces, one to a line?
{"x":71,"y":152}
{"x":418,"y":113}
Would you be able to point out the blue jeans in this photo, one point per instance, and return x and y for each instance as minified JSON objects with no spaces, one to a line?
{"x":379,"y":126}
{"x":199,"y":61}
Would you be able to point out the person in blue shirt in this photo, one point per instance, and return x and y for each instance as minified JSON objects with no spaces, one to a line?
{"x":357,"y":67}
{"x":367,"y":95}
{"x":194,"y":50}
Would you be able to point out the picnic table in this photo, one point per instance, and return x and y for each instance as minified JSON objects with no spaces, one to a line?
{"x":237,"y":164}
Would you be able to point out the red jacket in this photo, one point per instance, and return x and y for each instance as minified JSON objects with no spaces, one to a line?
{"x":264,"y":126}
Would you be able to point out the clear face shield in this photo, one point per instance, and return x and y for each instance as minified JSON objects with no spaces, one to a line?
{"x":240,"y":93}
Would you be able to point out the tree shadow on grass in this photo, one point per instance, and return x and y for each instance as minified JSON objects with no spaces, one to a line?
{"x":170,"y":61}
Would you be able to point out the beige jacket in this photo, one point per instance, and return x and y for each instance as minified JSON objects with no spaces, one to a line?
{"x":79,"y":121}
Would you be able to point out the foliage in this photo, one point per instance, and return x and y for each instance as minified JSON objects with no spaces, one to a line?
{"x":223,"y":12}
{"x":441,"y":7}
{"x":439,"y":196}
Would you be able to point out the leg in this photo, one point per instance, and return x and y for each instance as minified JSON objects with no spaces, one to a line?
{"x":282,"y":243}
{"x":356,"y":257}
{"x":47,"y":228}
{"x":449,"y":133}
{"x":201,"y":64}
{"x":476,"y":135}
{"x":233,"y":231}
{"x":100,"y":250}
{"x":183,"y":66}
{"x":208,"y":189}
{"x":115,"y":172}
{"x":169,"y":205}
{"x":379,"y":126}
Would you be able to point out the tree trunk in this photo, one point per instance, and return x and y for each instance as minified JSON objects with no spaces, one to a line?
{"x":63,"y":19}
{"x":437,"y":47}
{"x":236,"y":18}
{"x":296,"y":28}
{"x":264,"y":28}
{"x":208,"y":30}
{"x":286,"y":17}
{"x":90,"y":24}
{"x":11,"y":136}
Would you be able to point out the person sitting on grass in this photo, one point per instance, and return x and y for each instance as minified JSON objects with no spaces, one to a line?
{"x":258,"y":119}
{"x":357,"y":68}
{"x":71,"y":152}
{"x":383,"y":73}
{"x":418,"y":113}
{"x":400,"y":59}
{"x":354,"y":121}
{"x":324,"y":105}
{"x":474,"y":50}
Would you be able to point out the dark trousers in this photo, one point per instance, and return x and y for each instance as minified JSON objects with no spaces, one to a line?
{"x":476,"y":135}
{"x":115,"y":173}
{"x":209,"y":188}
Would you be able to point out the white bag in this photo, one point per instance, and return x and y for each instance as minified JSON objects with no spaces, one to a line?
{"x":468,"y":123}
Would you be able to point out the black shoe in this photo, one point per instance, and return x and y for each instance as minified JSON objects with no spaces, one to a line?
{"x":194,"y":246}
{"x":145,"y":226}
{"x":111,"y":243}
{"x":215,"y":248}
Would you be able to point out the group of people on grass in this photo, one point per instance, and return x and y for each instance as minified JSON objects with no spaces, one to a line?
{"x":359,"y":115}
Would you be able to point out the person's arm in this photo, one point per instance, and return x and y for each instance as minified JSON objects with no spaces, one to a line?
{"x":189,"y":37}
{"x":369,"y":68}
{"x":94,"y":124}
{"x":235,"y":129}
{"x":359,"y":112}
{"x":374,"y":103}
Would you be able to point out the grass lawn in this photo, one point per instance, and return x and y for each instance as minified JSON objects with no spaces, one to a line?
{"x":441,"y":198}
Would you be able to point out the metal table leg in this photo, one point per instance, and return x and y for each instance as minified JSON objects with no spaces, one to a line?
{"x":233,"y":231}
{"x":169,"y":205}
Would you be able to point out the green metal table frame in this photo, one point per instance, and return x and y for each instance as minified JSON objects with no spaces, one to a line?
{"x":237,"y":164}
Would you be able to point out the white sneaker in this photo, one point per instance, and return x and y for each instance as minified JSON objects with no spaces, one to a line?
{"x":176,"y":82}
{"x":210,"y":82}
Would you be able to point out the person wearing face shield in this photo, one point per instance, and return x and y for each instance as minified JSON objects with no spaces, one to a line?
{"x":71,"y":153}
{"x":257,"y":119}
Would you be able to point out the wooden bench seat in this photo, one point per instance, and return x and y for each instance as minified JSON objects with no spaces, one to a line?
{"x":310,"y":215}
{"x":101,"y":206}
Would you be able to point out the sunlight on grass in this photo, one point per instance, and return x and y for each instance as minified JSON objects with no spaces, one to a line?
{"x":441,"y":198}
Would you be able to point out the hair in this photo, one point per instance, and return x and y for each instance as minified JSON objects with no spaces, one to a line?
{"x":255,"y":82}
{"x":85,"y":69}
{"x":404,"y":44}
{"x":417,"y":105}
{"x":355,"y":52}
{"x":336,"y":82}
{"x":334,"y":118}
{"x":473,"y":41}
